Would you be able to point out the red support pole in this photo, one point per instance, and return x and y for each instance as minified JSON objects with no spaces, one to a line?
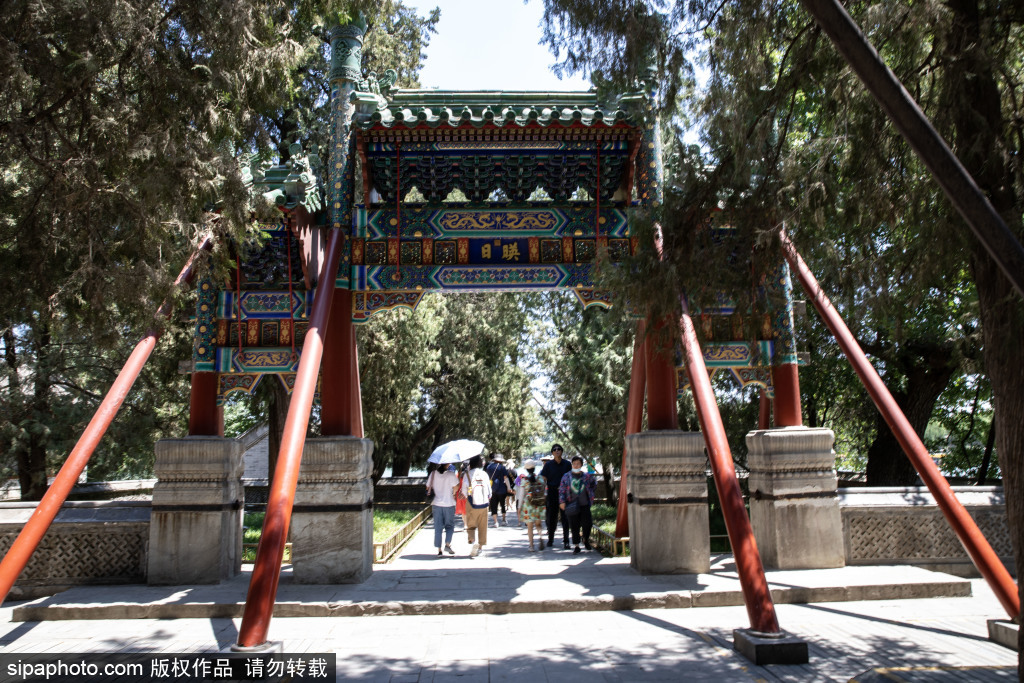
{"x":259,"y":603}
{"x":204,"y":419}
{"x":756,"y":596}
{"x":634,"y":423}
{"x":981,"y":553}
{"x":661,"y":381}
{"x":335,"y":393}
{"x":28,"y":539}
{"x":356,"y":400}
{"x":341,"y":404}
{"x":786,"y":380}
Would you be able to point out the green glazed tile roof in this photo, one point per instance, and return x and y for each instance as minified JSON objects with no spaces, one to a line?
{"x":500,"y":108}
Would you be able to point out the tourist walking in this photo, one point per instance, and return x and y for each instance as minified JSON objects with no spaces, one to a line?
{"x":520,"y":492}
{"x":499,"y":486}
{"x":533,"y":507}
{"x":442,"y":483}
{"x":476,"y":486}
{"x":553,"y":471}
{"x":460,"y":497}
{"x":575,"y":496}
{"x":510,"y":495}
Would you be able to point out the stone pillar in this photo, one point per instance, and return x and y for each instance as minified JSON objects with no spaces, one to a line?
{"x":793,"y":504}
{"x":195,"y":533}
{"x":332,"y":520}
{"x":668,"y":503}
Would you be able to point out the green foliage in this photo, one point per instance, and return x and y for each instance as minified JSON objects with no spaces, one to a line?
{"x":790,"y":137}
{"x":960,"y":428}
{"x":385,"y":524}
{"x":601,"y":512}
{"x":121,"y":125}
{"x":240,"y":415}
{"x":450,"y":370}
{"x":588,"y":356}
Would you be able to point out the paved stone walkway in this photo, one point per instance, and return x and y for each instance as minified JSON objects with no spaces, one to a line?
{"x":924,"y":639}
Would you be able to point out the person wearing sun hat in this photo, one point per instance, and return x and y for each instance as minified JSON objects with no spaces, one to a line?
{"x":553,"y":471}
{"x":534,"y":504}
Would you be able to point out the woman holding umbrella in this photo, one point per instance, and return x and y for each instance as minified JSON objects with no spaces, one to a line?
{"x":442,"y":483}
{"x":448,"y":487}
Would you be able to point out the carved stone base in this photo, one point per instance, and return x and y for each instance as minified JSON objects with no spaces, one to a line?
{"x":668,"y":503}
{"x":763,"y":649}
{"x":794,"y":509}
{"x":332,"y":520}
{"x":195,"y":533}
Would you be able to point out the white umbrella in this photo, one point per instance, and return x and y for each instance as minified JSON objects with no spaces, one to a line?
{"x":455,"y":451}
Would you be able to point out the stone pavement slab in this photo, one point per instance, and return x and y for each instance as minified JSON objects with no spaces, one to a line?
{"x":927,"y":638}
{"x":892,"y":635}
{"x":504,"y":579}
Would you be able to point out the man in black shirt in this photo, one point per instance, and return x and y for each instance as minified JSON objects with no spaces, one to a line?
{"x":499,"y":486}
{"x":553,"y":472}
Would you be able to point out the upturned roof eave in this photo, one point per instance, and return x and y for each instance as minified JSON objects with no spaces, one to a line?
{"x":436,"y":122}
{"x":409,"y":98}
{"x":424,"y":108}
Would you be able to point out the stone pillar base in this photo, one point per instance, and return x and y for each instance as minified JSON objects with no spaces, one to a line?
{"x":195,"y":533}
{"x":763,"y":649}
{"x":668,"y":503}
{"x":332,"y":520}
{"x":794,"y":509}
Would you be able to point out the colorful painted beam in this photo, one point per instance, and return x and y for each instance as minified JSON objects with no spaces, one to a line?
{"x":458,"y":220}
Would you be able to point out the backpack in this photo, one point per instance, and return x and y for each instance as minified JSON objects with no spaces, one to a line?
{"x":478,"y":495}
{"x":537,"y":492}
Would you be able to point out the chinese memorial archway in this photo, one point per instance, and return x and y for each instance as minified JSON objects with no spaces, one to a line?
{"x":491,"y":191}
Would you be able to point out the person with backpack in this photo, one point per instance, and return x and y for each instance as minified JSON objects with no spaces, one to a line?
{"x":534,"y":505}
{"x":476,"y":486}
{"x":499,"y":487}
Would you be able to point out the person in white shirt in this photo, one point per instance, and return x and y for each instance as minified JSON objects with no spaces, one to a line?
{"x":520,"y":493}
{"x":442,"y":483}
{"x":476,"y":486}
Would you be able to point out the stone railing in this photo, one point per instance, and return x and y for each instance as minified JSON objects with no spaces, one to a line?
{"x":382,"y":552}
{"x":905,"y":526}
{"x":89,"y":543}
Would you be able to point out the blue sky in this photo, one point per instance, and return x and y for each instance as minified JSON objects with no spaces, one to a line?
{"x":490,"y":45}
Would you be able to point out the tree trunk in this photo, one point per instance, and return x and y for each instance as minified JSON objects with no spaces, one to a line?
{"x":609,"y":486}
{"x":32,"y":460}
{"x":978,"y":124}
{"x":400,"y":464}
{"x":928,"y":369}
{"x":380,"y":459}
{"x":277,"y":413}
{"x":986,"y":459}
{"x":1002,"y":317}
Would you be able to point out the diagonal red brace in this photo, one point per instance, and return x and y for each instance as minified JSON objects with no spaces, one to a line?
{"x":35,"y":528}
{"x":756,"y":596}
{"x":259,"y":602}
{"x":979,"y":550}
